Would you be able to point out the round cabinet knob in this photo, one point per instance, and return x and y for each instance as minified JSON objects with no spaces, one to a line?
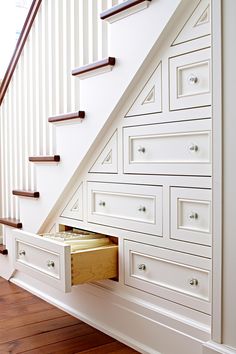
{"x":102,"y":203}
{"x":141,"y":149}
{"x":142,"y":208}
{"x":193,"y":282}
{"x":193,"y":148}
{"x":21,"y":253}
{"x":192,"y":79}
{"x":193,"y":216}
{"x":50,"y":264}
{"x":141,"y":267}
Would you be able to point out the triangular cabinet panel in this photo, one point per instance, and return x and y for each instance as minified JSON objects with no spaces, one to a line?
{"x":198,"y":24}
{"x":107,"y":160}
{"x":74,"y":209}
{"x":149,"y":99}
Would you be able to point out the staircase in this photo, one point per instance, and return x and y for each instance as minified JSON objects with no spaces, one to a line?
{"x":43,"y":157}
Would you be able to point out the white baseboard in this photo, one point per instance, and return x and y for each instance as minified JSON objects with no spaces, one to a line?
{"x":215,"y":348}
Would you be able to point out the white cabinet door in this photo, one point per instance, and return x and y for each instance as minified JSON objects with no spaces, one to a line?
{"x":182,"y":148}
{"x":74,"y":209}
{"x":191,"y":215}
{"x":126,"y":206}
{"x":190,"y":80}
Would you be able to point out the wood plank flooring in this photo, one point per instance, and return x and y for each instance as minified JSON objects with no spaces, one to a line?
{"x":31,"y":325}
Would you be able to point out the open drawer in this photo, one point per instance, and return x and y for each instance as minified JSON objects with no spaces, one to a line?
{"x":53,"y":262}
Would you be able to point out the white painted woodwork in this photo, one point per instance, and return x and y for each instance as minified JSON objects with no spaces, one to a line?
{"x":121,"y":15}
{"x":227,"y":115}
{"x":74,"y":209}
{"x":174,"y":148}
{"x":217,"y":188}
{"x":198,"y":24}
{"x":190,"y":80}
{"x":178,"y":277}
{"x":149,"y":99}
{"x":107,"y":161}
{"x":132,"y":207}
{"x":42,"y":86}
{"x":191,"y":215}
{"x":94,"y":72}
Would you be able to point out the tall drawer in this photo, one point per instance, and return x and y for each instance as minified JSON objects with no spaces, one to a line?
{"x":190,"y":81}
{"x":53,"y":263}
{"x":179,"y":277}
{"x":126,"y":206}
{"x":182,"y":148}
{"x":191,"y":215}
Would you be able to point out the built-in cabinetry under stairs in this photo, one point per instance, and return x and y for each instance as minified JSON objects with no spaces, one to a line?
{"x":145,"y":188}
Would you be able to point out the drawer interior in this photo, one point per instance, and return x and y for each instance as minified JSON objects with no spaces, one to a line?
{"x":92,"y":263}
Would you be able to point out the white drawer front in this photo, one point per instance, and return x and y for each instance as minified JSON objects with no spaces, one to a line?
{"x":190,"y":80}
{"x":47,"y":261}
{"x":176,"y":148}
{"x":191,"y":215}
{"x":132,"y":207}
{"x":39,"y":259}
{"x":170,"y":274}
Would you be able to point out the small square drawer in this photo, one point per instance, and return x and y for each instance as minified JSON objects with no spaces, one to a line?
{"x":182,"y":148}
{"x":191,"y":215}
{"x":176,"y":276}
{"x":53,"y":262}
{"x":190,"y":82}
{"x":126,"y":206}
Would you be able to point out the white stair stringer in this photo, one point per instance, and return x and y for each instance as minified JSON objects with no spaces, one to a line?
{"x":73,"y":141}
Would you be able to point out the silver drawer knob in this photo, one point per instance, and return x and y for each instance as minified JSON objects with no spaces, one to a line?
{"x":141,"y":267}
{"x":141,"y":149}
{"x":142,"y":208}
{"x":192,"y":79}
{"x":102,"y":203}
{"x":193,"y":282}
{"x":21,"y":253}
{"x":193,"y":148}
{"x":50,"y":264}
{"x":193,"y":216}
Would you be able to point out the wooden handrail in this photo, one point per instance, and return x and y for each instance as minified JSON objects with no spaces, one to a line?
{"x":19,"y":47}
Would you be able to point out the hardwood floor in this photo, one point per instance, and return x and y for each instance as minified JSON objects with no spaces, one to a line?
{"x":31,"y":325}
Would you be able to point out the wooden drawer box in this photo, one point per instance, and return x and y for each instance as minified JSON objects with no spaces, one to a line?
{"x":176,"y":276}
{"x":53,"y":262}
{"x":182,"y":148}
{"x":126,"y":206}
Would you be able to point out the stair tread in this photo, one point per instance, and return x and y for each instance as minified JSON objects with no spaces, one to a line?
{"x":11,"y":222}
{"x":45,"y":158}
{"x":110,"y":61}
{"x":119,"y":8}
{"x":66,"y":116}
{"x":3,"y":250}
{"x":25,"y":193}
